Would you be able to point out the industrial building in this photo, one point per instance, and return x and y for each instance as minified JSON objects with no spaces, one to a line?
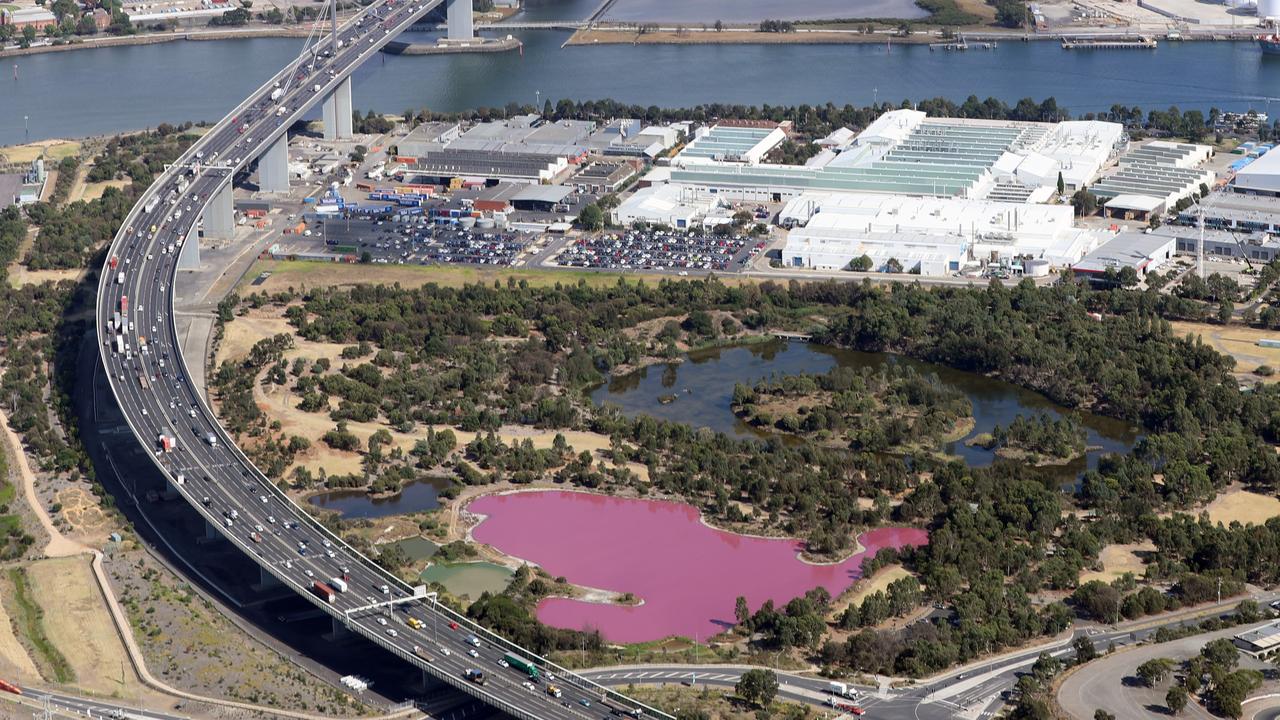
{"x":1166,"y":172}
{"x":671,"y":205}
{"x":725,"y":143}
{"x":1238,"y":211}
{"x":1143,"y":252}
{"x":942,"y":235}
{"x":485,"y":166}
{"x":428,"y":137}
{"x":599,"y":178}
{"x":542,"y":198}
{"x":1260,"y":177}
{"x":1223,"y":244}
{"x":34,"y":17}
{"x":629,"y":138}
{"x":904,"y":152}
{"x":1260,"y":642}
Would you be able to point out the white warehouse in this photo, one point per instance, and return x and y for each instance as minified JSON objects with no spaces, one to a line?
{"x":944,"y":234}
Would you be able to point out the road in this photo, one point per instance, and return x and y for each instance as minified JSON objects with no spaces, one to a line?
{"x":148,"y":376}
{"x":967,"y":692}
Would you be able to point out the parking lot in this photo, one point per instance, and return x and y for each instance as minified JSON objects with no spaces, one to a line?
{"x":416,"y":241}
{"x":660,"y":251}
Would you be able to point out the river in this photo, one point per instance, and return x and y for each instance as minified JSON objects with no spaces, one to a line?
{"x":107,"y":90}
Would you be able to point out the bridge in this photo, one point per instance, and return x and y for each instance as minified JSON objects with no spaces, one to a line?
{"x":149,"y":379}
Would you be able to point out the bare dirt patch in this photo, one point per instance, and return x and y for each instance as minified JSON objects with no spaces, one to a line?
{"x":20,"y":276}
{"x":82,"y":512}
{"x":1119,"y":559}
{"x":1242,"y":506}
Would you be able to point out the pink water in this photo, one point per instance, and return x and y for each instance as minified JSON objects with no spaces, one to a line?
{"x":687,"y":574}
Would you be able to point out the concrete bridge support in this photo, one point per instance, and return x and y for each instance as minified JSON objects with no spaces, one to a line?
{"x":266,"y":581}
{"x":189,"y":253}
{"x":337,"y":112}
{"x":211,"y":534}
{"x":273,"y":167}
{"x":338,"y":631}
{"x":461,"y":24}
{"x":220,"y":218}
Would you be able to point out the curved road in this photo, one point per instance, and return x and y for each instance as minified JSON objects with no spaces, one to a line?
{"x":148,"y":376}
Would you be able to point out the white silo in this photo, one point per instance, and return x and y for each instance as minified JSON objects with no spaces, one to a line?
{"x":1269,"y":9}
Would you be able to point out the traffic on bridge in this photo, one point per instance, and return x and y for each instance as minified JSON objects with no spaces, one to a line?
{"x":149,"y":378}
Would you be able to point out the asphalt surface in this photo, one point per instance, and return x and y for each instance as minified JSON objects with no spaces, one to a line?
{"x":971,"y":692}
{"x":157,"y":397}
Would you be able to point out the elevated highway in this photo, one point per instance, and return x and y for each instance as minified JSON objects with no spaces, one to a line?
{"x":148,"y":376}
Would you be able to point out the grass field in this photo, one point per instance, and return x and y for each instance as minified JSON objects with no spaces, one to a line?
{"x":1244,"y":507}
{"x":53,"y":149}
{"x":77,"y":623}
{"x":94,"y":190}
{"x":1118,"y":560}
{"x":1236,"y":341}
{"x":28,"y":617}
{"x":298,"y":273}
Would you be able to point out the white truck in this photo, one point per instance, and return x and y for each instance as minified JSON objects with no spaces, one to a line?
{"x":275,"y":94}
{"x":210,"y":437}
{"x":338,"y":584}
{"x":841,"y":690}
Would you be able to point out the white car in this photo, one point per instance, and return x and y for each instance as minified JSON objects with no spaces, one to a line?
{"x":392,"y":632}
{"x":503,"y":663}
{"x":382,"y":621}
{"x":444,"y":651}
{"x":472,"y":652}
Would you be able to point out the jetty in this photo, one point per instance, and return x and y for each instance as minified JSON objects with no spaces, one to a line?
{"x":1141,"y":43}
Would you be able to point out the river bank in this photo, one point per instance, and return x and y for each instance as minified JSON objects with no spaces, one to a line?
{"x":160,"y":37}
{"x":887,"y":37}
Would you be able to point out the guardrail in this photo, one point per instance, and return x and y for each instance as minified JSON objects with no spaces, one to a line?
{"x":564,"y":675}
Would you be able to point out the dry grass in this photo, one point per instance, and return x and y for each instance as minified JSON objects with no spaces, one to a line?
{"x":77,"y":623}
{"x":20,"y":276}
{"x":54,"y":150}
{"x":1236,"y":341}
{"x":94,"y":190}
{"x":864,"y":587}
{"x":1118,"y":560}
{"x":298,"y":273}
{"x":15,"y":663}
{"x":1244,"y":507}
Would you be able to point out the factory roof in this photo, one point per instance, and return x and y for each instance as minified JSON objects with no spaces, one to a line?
{"x":542,"y":193}
{"x":1128,"y":249}
{"x":723,"y":142}
{"x":1267,"y":164}
{"x":839,"y":136}
{"x":1264,"y":637}
{"x":475,"y":163}
{"x":611,"y":171}
{"x":1239,"y":207}
{"x":1140,"y":203}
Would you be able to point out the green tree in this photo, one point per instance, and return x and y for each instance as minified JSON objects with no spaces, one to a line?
{"x":1085,"y":203}
{"x":1062,"y":185}
{"x":1084,"y":650}
{"x":591,"y":218}
{"x":862,"y":263}
{"x":740,"y":610}
{"x":719,"y":26}
{"x":1101,"y":714}
{"x":1176,"y":699}
{"x":1154,"y":671}
{"x":758,"y":687}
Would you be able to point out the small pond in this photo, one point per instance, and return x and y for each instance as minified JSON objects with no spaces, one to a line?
{"x":702,"y":386}
{"x":415,"y":496}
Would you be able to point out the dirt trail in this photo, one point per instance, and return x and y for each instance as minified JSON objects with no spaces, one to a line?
{"x":58,"y":545}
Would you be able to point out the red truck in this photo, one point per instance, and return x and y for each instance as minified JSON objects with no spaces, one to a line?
{"x":324,"y":592}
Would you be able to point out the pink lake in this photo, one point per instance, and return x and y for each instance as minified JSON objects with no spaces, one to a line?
{"x":688,"y":574}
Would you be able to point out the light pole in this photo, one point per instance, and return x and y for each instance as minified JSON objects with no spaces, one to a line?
{"x":537,"y":101}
